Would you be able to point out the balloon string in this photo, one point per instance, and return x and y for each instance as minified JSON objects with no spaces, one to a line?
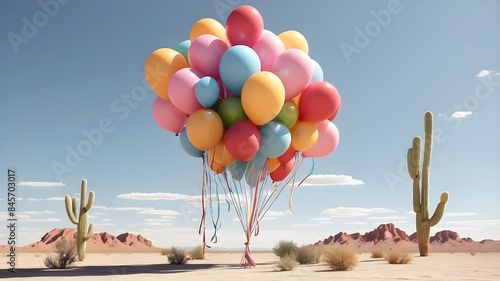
{"x":310,"y":172}
{"x":203,"y":210}
{"x":290,"y":206}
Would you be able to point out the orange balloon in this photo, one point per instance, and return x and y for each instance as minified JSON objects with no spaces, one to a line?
{"x":159,"y":68}
{"x":219,"y":158}
{"x":293,"y":39}
{"x":204,"y":129}
{"x":274,"y":163}
{"x":208,"y":26}
{"x":304,"y":135}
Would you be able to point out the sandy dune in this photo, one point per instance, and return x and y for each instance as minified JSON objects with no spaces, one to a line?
{"x":225,"y":266}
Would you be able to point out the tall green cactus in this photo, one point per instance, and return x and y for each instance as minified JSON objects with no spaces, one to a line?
{"x":83,"y":234}
{"x":421,"y":188}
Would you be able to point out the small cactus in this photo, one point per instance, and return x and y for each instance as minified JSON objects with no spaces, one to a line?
{"x":421,"y":187}
{"x":83,"y":234}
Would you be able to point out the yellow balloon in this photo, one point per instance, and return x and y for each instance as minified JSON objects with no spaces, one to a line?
{"x":274,"y":163}
{"x":159,"y":68}
{"x":294,"y":39}
{"x":219,"y":158}
{"x":262,"y":97}
{"x":204,"y":129}
{"x":208,"y":26}
{"x":304,"y":135}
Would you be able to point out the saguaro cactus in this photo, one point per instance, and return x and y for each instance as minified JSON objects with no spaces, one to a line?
{"x":83,"y":234}
{"x":421,"y":187}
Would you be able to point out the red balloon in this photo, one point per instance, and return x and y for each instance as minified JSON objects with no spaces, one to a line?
{"x":318,"y":102}
{"x":336,"y":111}
{"x":244,"y":25}
{"x":243,"y":140}
{"x":289,"y":154}
{"x":283,"y":170}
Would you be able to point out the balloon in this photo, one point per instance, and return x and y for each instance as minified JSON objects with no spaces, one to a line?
{"x":304,"y":135}
{"x":205,"y":53}
{"x":208,"y":26}
{"x":236,"y":65}
{"x":293,"y":39}
{"x":255,"y":170}
{"x":204,"y":129}
{"x":244,"y":26}
{"x":283,"y":171}
{"x":274,"y":163}
{"x":295,"y":70}
{"x":243,"y":140}
{"x":337,"y":110}
{"x":231,"y":111}
{"x":237,"y":169}
{"x":317,"y":72}
{"x":159,"y":68}
{"x":328,"y":140}
{"x":318,"y":102}
{"x":275,"y":139}
{"x":289,"y":154}
{"x":167,"y":116}
{"x":289,"y":114}
{"x":219,"y":158}
{"x":188,"y":146}
{"x":183,"y":48}
{"x":207,"y":91}
{"x":262,"y":97}
{"x":181,"y":90}
{"x":268,"y":48}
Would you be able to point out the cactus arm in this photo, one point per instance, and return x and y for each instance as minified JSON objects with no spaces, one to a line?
{"x":89,"y":232}
{"x":413,"y":160}
{"x":438,"y":213}
{"x":426,"y":165}
{"x":90,"y":202}
{"x":70,"y":209}
{"x":74,"y":204}
{"x":416,"y":196}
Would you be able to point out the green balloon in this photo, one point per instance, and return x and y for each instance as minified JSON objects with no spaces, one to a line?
{"x":288,"y":115}
{"x":216,"y":105}
{"x":231,"y":111}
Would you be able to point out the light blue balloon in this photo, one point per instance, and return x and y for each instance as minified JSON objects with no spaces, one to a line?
{"x":237,"y":169}
{"x":207,"y":91}
{"x":275,"y":138}
{"x":183,"y":48}
{"x":188,"y":146}
{"x":255,"y":165}
{"x":236,"y":65}
{"x":317,"y":72}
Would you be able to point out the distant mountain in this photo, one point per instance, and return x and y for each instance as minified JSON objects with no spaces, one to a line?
{"x":98,"y":242}
{"x":388,"y":236}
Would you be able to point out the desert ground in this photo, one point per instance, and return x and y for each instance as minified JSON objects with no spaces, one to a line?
{"x":225,"y":266}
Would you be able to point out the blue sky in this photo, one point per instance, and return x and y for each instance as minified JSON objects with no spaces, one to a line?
{"x":82,"y":66}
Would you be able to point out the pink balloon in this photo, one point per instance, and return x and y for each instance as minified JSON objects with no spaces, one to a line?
{"x":295,"y":69}
{"x":268,"y":48}
{"x":318,"y":102}
{"x":205,"y":53}
{"x":328,"y":140}
{"x":243,"y":140}
{"x":283,"y":170}
{"x":244,"y":26}
{"x":181,"y":90}
{"x":168,"y":116}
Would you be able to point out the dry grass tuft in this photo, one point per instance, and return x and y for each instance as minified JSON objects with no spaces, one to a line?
{"x":287,"y":263}
{"x":341,"y":258}
{"x":397,"y":257}
{"x":377,"y":254}
{"x":66,"y":255}
{"x":197,"y":253}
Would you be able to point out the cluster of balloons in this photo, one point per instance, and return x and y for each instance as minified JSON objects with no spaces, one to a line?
{"x":242,"y":96}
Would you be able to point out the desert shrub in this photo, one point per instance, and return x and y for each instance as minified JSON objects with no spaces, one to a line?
{"x":164,"y":251}
{"x":287,"y":263}
{"x":197,"y":253}
{"x":341,"y":258}
{"x":176,"y":256}
{"x":377,"y":254}
{"x":307,"y":255}
{"x":66,"y":255}
{"x":472,"y":254}
{"x":397,"y":257}
{"x":285,"y":248}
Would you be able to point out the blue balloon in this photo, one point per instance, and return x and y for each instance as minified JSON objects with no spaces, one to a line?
{"x":183,"y":48}
{"x":237,"y":169}
{"x":207,"y":91}
{"x":255,"y":166}
{"x":236,"y":65}
{"x":188,"y":146}
{"x":275,"y":138}
{"x":317,"y":72}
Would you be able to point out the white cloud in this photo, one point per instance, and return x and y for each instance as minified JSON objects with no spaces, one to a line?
{"x":483,"y":73}
{"x":55,"y":198}
{"x":387,"y":218}
{"x":42,"y":220}
{"x":106,"y":208}
{"x":35,"y":212}
{"x":157,"y":196}
{"x":461,"y":114}
{"x":355,"y":223}
{"x":355,"y":211}
{"x":475,"y":222}
{"x":330,"y":180}
{"x":166,"y":213}
{"x":275,"y":214}
{"x":463,"y":214}
{"x":34,"y":199}
{"x":303,"y":224}
{"x":320,"y":219}
{"x":105,"y":219}
{"x":40,"y":183}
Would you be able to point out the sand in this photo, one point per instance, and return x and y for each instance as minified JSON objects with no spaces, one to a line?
{"x":225,"y":266}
